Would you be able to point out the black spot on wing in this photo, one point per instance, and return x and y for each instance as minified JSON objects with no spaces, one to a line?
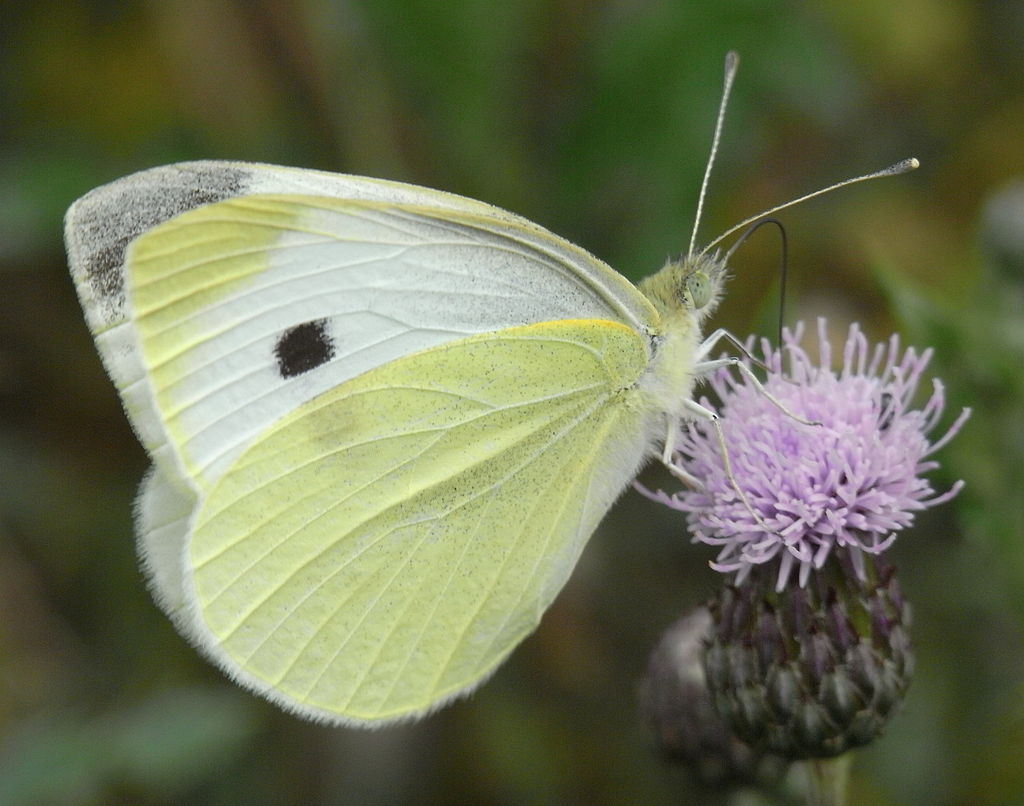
{"x":303,"y":347}
{"x":109,"y":219}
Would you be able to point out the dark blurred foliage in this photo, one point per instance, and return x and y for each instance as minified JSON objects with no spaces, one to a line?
{"x":593,"y":118}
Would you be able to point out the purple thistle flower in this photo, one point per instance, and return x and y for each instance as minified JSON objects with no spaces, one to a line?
{"x":849,"y":482}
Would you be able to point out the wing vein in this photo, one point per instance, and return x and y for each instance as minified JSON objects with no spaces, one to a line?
{"x":256,"y":491}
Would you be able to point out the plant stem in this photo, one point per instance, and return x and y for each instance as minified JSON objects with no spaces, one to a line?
{"x":826,"y":780}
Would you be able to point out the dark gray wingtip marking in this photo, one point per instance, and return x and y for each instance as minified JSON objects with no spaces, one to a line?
{"x":105,"y":221}
{"x":303,"y":348}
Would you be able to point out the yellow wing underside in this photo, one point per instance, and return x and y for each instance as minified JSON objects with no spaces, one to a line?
{"x":384,"y":547}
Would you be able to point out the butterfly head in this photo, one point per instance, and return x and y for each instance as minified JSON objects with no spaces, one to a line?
{"x":689,"y":286}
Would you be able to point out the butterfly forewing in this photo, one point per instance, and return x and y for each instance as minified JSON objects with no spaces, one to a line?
{"x":247,"y":308}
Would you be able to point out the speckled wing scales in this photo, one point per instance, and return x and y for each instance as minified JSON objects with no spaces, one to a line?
{"x":382,"y":548}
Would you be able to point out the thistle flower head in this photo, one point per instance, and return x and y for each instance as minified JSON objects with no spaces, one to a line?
{"x":849,"y":482}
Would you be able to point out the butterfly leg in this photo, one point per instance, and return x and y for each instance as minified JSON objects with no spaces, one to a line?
{"x":708,"y":344}
{"x":707,"y":367}
{"x":683,"y":475}
{"x":671,"y":435}
{"x":703,"y":413}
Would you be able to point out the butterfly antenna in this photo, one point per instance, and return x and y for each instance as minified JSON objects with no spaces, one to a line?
{"x":902,"y":167}
{"x":732,"y":62}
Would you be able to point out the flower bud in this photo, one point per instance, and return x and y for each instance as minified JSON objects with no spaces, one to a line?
{"x":676,"y":704}
{"x":810,"y":672}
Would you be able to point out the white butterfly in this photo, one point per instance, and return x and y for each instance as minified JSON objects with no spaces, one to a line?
{"x":384,"y":420}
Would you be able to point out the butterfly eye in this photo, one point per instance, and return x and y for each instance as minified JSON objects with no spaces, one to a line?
{"x":698,"y":286}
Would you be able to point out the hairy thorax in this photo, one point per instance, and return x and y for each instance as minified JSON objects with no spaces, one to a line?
{"x":684,"y":293}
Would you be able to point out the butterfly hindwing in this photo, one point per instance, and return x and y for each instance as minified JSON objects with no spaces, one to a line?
{"x":385,"y":546}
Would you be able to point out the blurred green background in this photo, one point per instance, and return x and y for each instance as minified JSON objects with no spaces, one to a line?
{"x":594,"y":119}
